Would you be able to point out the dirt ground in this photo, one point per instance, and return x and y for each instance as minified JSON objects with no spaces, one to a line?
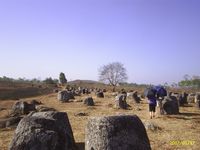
{"x":178,"y":132}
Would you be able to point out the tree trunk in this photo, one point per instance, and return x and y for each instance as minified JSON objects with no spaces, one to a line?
{"x":113,"y":88}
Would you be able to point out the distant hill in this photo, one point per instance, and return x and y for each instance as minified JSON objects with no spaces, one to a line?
{"x":84,"y":81}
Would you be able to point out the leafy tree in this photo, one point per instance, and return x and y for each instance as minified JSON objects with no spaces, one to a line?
{"x":113,"y":73}
{"x":190,"y":82}
{"x":62,"y":78}
{"x":50,"y":81}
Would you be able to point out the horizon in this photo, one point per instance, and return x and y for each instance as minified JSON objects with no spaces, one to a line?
{"x":157,"y":41}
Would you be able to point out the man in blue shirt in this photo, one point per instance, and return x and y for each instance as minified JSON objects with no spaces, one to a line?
{"x":152,"y":106}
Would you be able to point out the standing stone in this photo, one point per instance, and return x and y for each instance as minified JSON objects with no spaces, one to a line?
{"x":65,"y":96}
{"x":100,"y":94}
{"x":198,"y":104}
{"x":55,"y":90}
{"x":160,"y":105}
{"x":43,"y":131}
{"x":135,"y":97}
{"x":170,"y":106}
{"x":120,"y":101}
{"x":10,"y":122}
{"x":35,"y":102}
{"x":89,"y":101}
{"x":191,"y":98}
{"x":197,"y":97}
{"x":22,"y":108}
{"x":116,"y":133}
{"x":197,"y":100}
{"x":150,"y":126}
{"x":183,"y":99}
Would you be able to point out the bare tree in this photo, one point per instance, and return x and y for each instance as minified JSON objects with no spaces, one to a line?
{"x":186,"y":77}
{"x":113,"y":73}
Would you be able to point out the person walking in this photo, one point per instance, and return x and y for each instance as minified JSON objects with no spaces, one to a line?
{"x":152,"y":106}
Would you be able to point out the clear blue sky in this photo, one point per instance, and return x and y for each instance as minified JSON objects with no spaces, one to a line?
{"x":158,"y":41}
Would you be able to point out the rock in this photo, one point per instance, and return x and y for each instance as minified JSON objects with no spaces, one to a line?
{"x":81,"y":114}
{"x":170,"y":105}
{"x":13,"y":121}
{"x":2,"y":108}
{"x":151,"y":126}
{"x":10,"y":122}
{"x":116,"y":133}
{"x":65,"y":96}
{"x":191,"y":98}
{"x":183,"y":99}
{"x":197,"y":100}
{"x":120,"y":101}
{"x":35,"y":102}
{"x":198,"y":104}
{"x":129,"y":94}
{"x":114,"y":94}
{"x":100,"y":94}
{"x":197,"y":97}
{"x":43,"y":131}
{"x":83,"y":91}
{"x":89,"y":101}
{"x":55,"y":90}
{"x":2,"y":124}
{"x":21,"y":108}
{"x":76,"y":93}
{"x":135,"y":97}
{"x":44,"y":108}
{"x":104,"y":90}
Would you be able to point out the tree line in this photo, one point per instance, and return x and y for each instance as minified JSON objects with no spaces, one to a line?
{"x":49,"y":80}
{"x":193,"y":82}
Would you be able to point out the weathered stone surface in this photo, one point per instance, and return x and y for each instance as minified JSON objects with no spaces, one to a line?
{"x":35,"y":102}
{"x":197,"y":100}
{"x":21,"y":108}
{"x":2,"y":108}
{"x":197,"y":97}
{"x":9,"y":122}
{"x":170,"y":105}
{"x":120,"y":101}
{"x":13,"y":121}
{"x":100,"y":94}
{"x":104,"y":90}
{"x":76,"y":93}
{"x":198,"y":104}
{"x":191,"y":98}
{"x":89,"y":101}
{"x":44,"y":108}
{"x":183,"y":99}
{"x":55,"y":90}
{"x":151,"y":126}
{"x":65,"y":96}
{"x":116,"y":133}
{"x":43,"y":131}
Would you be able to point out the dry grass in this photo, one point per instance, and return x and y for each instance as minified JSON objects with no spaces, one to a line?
{"x":178,"y":127}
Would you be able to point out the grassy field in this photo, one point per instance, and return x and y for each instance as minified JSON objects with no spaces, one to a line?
{"x":172,"y":129}
{"x":17,"y":90}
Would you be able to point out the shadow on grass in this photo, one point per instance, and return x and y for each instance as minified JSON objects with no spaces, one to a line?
{"x":189,"y":114}
{"x":188,"y":105}
{"x":80,"y":146}
{"x":186,"y":116}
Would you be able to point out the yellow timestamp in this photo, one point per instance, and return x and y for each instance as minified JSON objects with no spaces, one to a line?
{"x":181,"y":143}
